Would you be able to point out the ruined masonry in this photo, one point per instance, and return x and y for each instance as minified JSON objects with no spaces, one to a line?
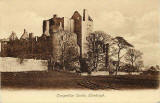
{"x":81,"y":25}
{"x":56,"y":30}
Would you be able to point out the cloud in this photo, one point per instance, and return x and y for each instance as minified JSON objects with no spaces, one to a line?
{"x":113,"y":22}
{"x":151,"y":54}
{"x":20,"y":20}
{"x":148,"y":26}
{"x":147,"y":37}
{"x":141,"y":31}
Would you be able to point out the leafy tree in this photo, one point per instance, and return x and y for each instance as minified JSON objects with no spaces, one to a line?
{"x":97,"y":42}
{"x":122,"y":44}
{"x":69,"y":54}
{"x":139,"y":64}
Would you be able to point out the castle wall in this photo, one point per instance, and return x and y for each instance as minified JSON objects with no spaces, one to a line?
{"x":71,"y":25}
{"x":54,"y":24}
{"x":46,"y":27}
{"x":68,"y":25}
{"x":55,"y":47}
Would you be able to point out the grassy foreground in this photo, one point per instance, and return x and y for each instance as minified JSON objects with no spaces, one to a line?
{"x":66,"y":80}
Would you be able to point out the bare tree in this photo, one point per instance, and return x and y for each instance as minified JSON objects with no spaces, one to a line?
{"x":133,"y":57}
{"x":139,"y":64}
{"x":122,"y":44}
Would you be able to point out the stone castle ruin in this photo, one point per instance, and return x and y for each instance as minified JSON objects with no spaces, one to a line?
{"x":56,"y":32}
{"x":81,"y":25}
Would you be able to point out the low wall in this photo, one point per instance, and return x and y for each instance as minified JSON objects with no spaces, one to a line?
{"x":9,"y":64}
{"x":103,"y":73}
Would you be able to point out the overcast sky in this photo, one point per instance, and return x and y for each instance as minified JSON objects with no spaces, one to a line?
{"x":135,"y":20}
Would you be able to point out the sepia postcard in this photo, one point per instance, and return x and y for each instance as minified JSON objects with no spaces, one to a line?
{"x":79,"y":51}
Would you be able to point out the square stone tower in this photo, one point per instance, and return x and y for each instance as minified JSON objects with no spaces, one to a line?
{"x":87,"y":28}
{"x":83,"y":26}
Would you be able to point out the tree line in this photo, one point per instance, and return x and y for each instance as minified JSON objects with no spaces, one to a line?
{"x":104,"y":52}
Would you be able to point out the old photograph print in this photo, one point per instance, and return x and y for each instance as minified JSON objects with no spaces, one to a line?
{"x":79,"y":44}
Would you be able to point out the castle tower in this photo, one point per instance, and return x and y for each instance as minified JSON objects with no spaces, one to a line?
{"x":87,"y":28}
{"x":78,"y":28}
{"x":83,"y":26}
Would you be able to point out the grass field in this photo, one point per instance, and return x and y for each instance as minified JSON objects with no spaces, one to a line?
{"x":66,"y":80}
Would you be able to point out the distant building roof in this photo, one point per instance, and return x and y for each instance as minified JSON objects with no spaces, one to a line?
{"x":13,"y":36}
{"x":25,"y":35}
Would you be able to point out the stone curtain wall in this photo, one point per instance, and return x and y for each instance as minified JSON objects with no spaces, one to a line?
{"x":9,"y":64}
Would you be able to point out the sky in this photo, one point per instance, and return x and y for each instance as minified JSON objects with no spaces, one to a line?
{"x":136,"y":20}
